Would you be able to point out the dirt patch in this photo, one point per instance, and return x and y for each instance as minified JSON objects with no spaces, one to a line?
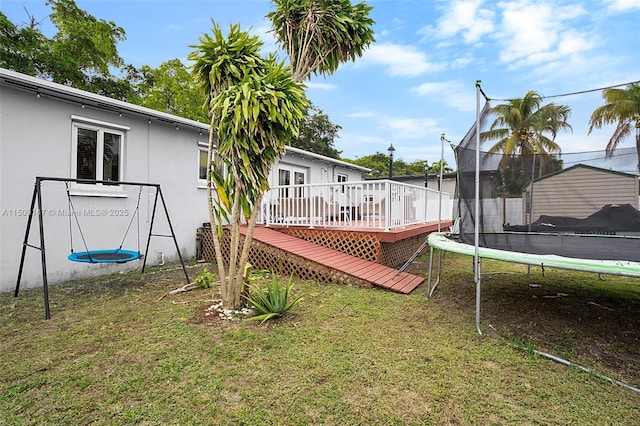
{"x":581,"y":325}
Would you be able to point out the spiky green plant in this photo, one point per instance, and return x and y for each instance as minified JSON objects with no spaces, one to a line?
{"x":272,"y":301}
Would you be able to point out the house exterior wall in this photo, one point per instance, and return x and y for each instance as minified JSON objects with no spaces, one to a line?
{"x":36,"y":140}
{"x":580,"y":192}
{"x":319,"y":170}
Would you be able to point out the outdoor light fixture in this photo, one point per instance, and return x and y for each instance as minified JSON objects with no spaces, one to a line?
{"x":426,"y":174}
{"x":391,"y":150}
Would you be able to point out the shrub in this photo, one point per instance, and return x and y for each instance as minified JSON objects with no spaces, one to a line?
{"x":272,"y":301}
{"x":206,"y":278}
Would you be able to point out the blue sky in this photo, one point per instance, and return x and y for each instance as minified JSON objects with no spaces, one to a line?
{"x":417,"y":80}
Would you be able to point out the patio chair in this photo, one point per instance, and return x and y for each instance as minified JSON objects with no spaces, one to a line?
{"x":325,"y":209}
{"x":373,"y":210}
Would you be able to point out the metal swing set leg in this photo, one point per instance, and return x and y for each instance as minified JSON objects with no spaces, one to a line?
{"x":36,"y":198}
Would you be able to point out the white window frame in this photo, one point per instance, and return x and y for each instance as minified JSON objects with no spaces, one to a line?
{"x":342,"y":178}
{"x":299,"y":192}
{"x":101,"y":127}
{"x":203,"y":147}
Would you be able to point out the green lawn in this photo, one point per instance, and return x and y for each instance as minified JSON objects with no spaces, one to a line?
{"x":113,"y":353}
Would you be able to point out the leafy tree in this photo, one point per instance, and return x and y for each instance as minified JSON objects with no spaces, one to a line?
{"x":622,"y":107}
{"x":319,"y":35}
{"x":171,"y":88}
{"x":513,"y":177}
{"x":440,"y":164}
{"x":379,"y":165}
{"x":523,"y":126}
{"x":80,"y":54}
{"x":23,"y":50}
{"x":255,"y":108}
{"x":317,"y":134}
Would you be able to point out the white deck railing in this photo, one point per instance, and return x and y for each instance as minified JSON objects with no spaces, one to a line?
{"x":382,"y":204}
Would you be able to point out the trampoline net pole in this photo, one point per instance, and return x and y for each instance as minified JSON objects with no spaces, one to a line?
{"x":476,"y":257}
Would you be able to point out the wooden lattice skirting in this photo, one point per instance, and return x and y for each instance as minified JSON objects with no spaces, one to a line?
{"x":360,"y":244}
{"x":264,"y":256}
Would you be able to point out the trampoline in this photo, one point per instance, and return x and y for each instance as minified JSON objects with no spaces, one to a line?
{"x":105,"y":256}
{"x":611,"y":266}
{"x":577,"y":211}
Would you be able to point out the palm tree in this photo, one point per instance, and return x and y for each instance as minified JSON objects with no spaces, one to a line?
{"x":524,"y":127}
{"x":622,"y":107}
{"x":318,"y":35}
{"x":255,"y":108}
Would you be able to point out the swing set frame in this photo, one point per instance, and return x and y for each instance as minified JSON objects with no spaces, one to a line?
{"x":37,"y":199}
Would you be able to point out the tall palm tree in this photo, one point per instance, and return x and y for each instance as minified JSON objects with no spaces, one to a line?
{"x":622,"y":107}
{"x":318,"y":35}
{"x":524,"y":126}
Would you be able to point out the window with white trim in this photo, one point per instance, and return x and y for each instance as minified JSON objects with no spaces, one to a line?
{"x":342,"y":178}
{"x":97,"y":151}
{"x":203,"y":159}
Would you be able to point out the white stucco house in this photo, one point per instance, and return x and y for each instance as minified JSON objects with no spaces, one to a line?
{"x":48,"y":129}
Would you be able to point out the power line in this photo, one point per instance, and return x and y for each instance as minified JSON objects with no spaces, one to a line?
{"x":573,"y":93}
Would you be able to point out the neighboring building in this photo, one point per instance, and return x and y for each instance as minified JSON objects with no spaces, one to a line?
{"x":48,"y":129}
{"x":448,"y":181}
{"x":580,"y":191}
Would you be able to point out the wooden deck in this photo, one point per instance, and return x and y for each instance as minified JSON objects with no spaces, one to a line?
{"x":362,"y":270}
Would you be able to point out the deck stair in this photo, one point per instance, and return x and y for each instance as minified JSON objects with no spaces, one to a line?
{"x":347,"y":267}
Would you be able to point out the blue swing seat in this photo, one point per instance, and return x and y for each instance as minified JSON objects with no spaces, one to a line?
{"x":105,"y":256}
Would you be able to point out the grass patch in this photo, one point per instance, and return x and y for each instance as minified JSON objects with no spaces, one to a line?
{"x":114,"y":354}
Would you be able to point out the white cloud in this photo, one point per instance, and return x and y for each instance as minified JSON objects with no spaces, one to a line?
{"x":321,"y":86}
{"x":400,"y":127}
{"x":623,"y":5}
{"x":362,"y":114}
{"x":400,"y":60}
{"x":457,"y":95}
{"x":409,"y":128}
{"x":464,"y":17}
{"x":535,"y":33}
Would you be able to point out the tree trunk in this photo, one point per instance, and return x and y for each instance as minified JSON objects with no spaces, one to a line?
{"x":212,"y":219}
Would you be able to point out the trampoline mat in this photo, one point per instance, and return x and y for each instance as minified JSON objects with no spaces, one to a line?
{"x":594,"y":247}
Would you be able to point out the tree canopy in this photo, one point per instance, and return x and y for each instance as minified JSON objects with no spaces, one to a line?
{"x":317,"y":133}
{"x":319,"y":35}
{"x":80,"y":54}
{"x":523,"y":125}
{"x":379,"y":165}
{"x":171,"y":88}
{"x":622,"y":107}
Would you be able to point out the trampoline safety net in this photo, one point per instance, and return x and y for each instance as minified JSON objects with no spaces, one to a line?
{"x":581,"y":205}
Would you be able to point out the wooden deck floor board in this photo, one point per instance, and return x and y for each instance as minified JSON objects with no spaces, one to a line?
{"x":375,"y":273}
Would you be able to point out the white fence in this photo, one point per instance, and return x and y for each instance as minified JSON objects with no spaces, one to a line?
{"x":382,"y":204}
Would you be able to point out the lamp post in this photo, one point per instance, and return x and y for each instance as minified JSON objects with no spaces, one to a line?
{"x":391,"y":150}
{"x":426,"y":174}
